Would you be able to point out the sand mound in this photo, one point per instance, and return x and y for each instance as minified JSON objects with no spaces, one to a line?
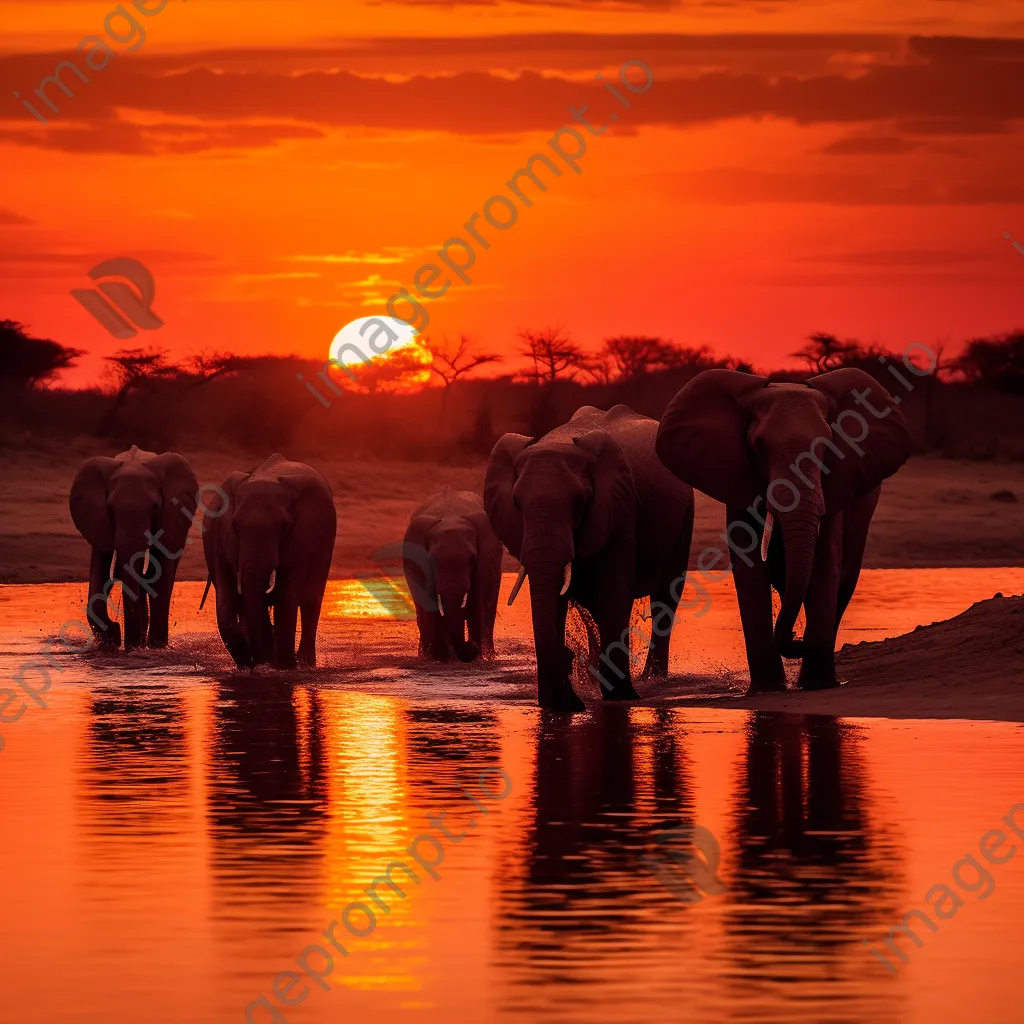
{"x":970,"y":666}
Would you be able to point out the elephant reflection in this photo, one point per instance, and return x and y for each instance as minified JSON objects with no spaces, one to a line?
{"x":605,"y":789}
{"x":810,"y":869}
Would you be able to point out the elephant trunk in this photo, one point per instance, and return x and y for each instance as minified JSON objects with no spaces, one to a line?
{"x":799,"y":537}
{"x":545,"y":556}
{"x":254,"y":576}
{"x":129,"y":564}
{"x":451,"y":601}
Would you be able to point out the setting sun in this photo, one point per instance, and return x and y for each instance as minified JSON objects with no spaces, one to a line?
{"x":380,"y":353}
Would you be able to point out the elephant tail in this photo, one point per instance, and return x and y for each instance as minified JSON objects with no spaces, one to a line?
{"x":209,"y":580}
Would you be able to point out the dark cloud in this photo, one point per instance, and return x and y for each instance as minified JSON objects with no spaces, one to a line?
{"x":869,"y":145}
{"x":739,"y":186}
{"x":9,"y":219}
{"x":903,"y":258}
{"x":936,"y":92}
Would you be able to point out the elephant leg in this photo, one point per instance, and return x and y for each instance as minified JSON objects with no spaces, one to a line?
{"x":754,"y":594}
{"x":612,"y":607}
{"x":818,"y":669}
{"x":310,"y":612}
{"x":474,"y":617}
{"x":160,"y":604}
{"x":231,"y":631}
{"x":286,"y":613}
{"x":433,"y":639}
{"x":856,"y":521}
{"x":488,"y":584}
{"x":267,"y":633}
{"x":662,"y":620}
{"x":134,"y":613}
{"x":106,"y":631}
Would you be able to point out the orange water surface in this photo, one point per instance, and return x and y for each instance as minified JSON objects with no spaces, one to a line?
{"x":176,"y":834}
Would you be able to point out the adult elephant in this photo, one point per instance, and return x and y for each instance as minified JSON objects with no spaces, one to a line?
{"x":772,"y":451}
{"x":272,"y":550}
{"x":123,"y":507}
{"x":597,"y":520}
{"x":452,"y":561}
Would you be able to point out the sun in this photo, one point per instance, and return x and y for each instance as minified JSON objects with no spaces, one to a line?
{"x":405,"y":366}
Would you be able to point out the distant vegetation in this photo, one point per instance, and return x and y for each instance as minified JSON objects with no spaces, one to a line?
{"x":971,"y":406}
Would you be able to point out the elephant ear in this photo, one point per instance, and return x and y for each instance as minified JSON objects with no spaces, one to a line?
{"x":226,"y":531}
{"x":313,"y":515}
{"x":178,"y":487}
{"x":882,"y":436}
{"x":504,"y":517}
{"x":614,"y":503}
{"x":488,"y":547}
{"x":703,"y":436}
{"x":418,"y":566}
{"x":88,"y":502}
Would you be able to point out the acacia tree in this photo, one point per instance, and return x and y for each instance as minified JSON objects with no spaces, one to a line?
{"x":993,"y":362}
{"x":824,"y":352}
{"x":554,"y":356}
{"x":25,"y":361}
{"x":452,"y":360}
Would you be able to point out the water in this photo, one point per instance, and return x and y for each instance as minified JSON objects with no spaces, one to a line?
{"x":176,"y":834}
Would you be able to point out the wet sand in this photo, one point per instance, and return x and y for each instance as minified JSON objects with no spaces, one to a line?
{"x":970,"y":666}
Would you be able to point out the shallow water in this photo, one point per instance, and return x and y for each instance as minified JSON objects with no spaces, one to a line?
{"x":176,"y":834}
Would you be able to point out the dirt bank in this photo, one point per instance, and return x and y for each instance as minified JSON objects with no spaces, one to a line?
{"x":970,"y":666}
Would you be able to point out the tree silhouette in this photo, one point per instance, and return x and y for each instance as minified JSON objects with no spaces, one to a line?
{"x":994,"y":362}
{"x":397,"y":370}
{"x":26,"y":361}
{"x":454,"y":360}
{"x":553,"y":356}
{"x":824,"y":352}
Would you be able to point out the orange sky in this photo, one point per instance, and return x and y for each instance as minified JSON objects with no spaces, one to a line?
{"x":283,"y":166}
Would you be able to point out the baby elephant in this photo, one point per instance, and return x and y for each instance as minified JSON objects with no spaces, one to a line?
{"x":452,"y":562}
{"x":272,"y":550}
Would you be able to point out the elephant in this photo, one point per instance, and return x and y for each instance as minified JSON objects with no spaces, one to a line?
{"x":273,"y":550}
{"x":452,"y":561}
{"x":596,"y":520}
{"x":743,"y":440}
{"x":123,"y":507}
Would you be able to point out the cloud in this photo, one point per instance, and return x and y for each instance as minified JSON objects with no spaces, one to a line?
{"x":192,"y":105}
{"x":398,"y":254}
{"x":738,"y":186}
{"x":9,"y":219}
{"x":902,"y":258}
{"x":869,"y":145}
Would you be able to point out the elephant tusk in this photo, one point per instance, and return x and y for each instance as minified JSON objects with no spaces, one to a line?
{"x":238,"y":580}
{"x":113,"y":563}
{"x":568,"y":578}
{"x":440,"y":606}
{"x":273,"y":580}
{"x":465,"y":598}
{"x":145,"y":564}
{"x":209,"y":581}
{"x":517,"y":586}
{"x":766,"y":536}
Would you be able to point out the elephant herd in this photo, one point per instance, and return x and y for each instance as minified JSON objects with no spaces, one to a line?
{"x":598,"y":512}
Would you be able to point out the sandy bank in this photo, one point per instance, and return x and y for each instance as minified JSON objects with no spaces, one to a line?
{"x":970,"y":666}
